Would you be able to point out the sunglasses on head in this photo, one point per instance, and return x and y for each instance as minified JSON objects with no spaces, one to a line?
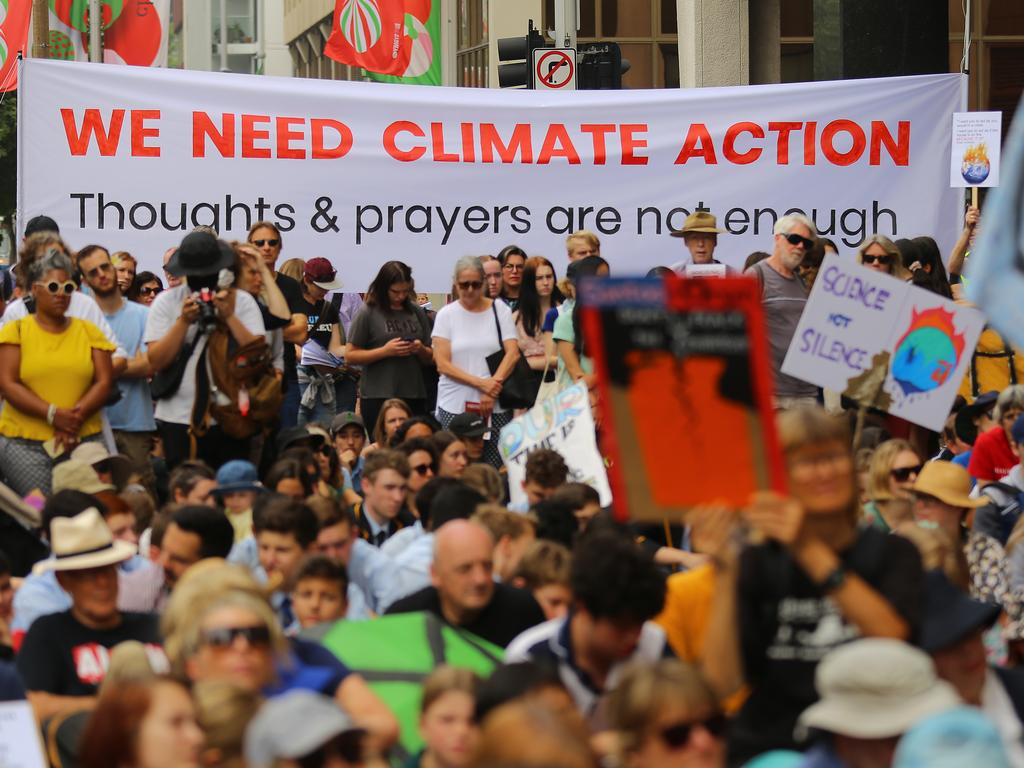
{"x":54,"y":287}
{"x":474,"y":285}
{"x":150,"y":291}
{"x":676,"y":736}
{"x":883,"y":260}
{"x":272,"y":242}
{"x":422,"y":469}
{"x":904,"y":473}
{"x":794,"y":239}
{"x":225,"y":637}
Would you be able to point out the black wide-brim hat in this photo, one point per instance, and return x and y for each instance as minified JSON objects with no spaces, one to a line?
{"x":200,"y":253}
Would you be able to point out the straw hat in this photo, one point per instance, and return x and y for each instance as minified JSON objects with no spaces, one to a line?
{"x":81,"y":542}
{"x":948,"y":482}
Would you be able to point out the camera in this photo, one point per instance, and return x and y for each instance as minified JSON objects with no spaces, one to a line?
{"x":207,"y":311}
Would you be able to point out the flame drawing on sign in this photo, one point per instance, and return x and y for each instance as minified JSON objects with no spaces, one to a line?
{"x":975,"y":166}
{"x":928,"y":352}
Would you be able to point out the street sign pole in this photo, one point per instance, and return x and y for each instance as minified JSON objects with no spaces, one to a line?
{"x":566,"y":15}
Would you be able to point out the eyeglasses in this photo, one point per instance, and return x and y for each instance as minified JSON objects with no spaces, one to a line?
{"x":272,"y":242}
{"x":54,"y":287}
{"x":470,"y":285}
{"x":225,"y":637}
{"x":423,"y":469}
{"x":150,"y":291}
{"x":885,"y":260}
{"x":513,"y":267}
{"x":794,"y":239}
{"x":903,"y":474}
{"x":676,"y":736}
{"x":101,"y":268}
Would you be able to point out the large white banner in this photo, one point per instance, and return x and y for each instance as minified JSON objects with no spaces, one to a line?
{"x":361,"y":173}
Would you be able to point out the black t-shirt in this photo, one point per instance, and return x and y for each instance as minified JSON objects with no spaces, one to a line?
{"x":787,"y":625}
{"x":62,"y":656}
{"x":292,"y":292}
{"x":510,"y":612}
{"x":320,"y":320}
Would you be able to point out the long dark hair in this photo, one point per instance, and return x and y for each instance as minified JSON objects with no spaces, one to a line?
{"x":529,"y":299}
{"x":587,"y":267}
{"x":390,"y":273}
{"x":936,"y":280}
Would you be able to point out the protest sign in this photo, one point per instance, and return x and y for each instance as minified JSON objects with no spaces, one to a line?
{"x":685,"y":390}
{"x":565,"y":424}
{"x":359,"y":172}
{"x":996,"y":265}
{"x":20,"y":746}
{"x":974,"y":152}
{"x":883,"y":343}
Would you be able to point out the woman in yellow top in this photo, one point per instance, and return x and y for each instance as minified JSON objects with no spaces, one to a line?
{"x":55,"y":375}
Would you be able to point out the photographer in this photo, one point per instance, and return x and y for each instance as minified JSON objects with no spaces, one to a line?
{"x":179,"y":323}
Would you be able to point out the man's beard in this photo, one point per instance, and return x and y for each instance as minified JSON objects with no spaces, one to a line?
{"x":105,"y":294}
{"x":792,"y":260}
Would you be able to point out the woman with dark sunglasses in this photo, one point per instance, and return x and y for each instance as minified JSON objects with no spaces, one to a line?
{"x":466,"y":332}
{"x":894,"y":468}
{"x":665,"y":716}
{"x":56,"y":372}
{"x":880,"y":253}
{"x":145,"y":288}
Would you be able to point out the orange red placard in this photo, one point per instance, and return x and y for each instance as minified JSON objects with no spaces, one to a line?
{"x":685,"y":388}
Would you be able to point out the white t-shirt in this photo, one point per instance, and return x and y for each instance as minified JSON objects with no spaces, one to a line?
{"x":83,"y":307}
{"x":473,"y":336}
{"x":177,"y":409}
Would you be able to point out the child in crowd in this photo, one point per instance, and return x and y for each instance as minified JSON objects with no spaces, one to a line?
{"x":238,"y":486}
{"x":319,"y":594}
{"x":446,"y":719}
{"x":544,"y":571}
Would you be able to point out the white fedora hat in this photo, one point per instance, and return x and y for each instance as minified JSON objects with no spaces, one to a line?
{"x":81,"y":542}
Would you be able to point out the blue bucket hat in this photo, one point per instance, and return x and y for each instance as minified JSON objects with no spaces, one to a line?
{"x":959,"y":737}
{"x":236,"y":477}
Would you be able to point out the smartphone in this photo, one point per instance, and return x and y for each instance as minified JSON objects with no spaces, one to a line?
{"x":408,"y":339}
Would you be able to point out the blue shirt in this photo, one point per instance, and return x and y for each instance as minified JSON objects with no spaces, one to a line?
{"x":134,"y":411}
{"x":383,"y":579}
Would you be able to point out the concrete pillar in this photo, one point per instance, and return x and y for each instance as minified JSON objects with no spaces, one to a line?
{"x":714,"y":47}
{"x":277,"y":58}
{"x":508,"y":19}
{"x":765,"y":47}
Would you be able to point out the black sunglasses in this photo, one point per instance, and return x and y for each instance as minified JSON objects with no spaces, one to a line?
{"x":475,"y":285}
{"x":422,"y":469}
{"x":150,"y":291}
{"x":271,"y":242}
{"x":794,"y":239}
{"x":903,"y":473}
{"x":326,"y":450}
{"x":225,"y":637}
{"x":676,"y":736}
{"x":883,"y":260}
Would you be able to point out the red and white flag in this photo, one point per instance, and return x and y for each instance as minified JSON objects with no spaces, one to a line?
{"x":370,"y":34}
{"x":134,"y":31}
{"x":14,"y":19}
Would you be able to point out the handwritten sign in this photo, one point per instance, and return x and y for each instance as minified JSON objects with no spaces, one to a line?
{"x":563,"y":423}
{"x":20,"y":743}
{"x":974,"y":153}
{"x":685,"y":391}
{"x":883,"y":343}
{"x":705,"y":270}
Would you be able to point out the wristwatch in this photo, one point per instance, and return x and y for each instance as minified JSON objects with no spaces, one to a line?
{"x":834,"y":580}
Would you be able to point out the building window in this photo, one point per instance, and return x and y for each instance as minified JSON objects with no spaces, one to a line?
{"x":471,"y":55}
{"x":646,"y":30}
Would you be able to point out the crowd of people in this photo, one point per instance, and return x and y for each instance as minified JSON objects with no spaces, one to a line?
{"x":245,"y":485}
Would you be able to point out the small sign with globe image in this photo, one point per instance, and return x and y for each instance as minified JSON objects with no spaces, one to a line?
{"x":975,"y":167}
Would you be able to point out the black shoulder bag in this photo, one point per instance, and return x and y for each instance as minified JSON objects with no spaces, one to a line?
{"x":520,"y":389}
{"x":166,"y":382}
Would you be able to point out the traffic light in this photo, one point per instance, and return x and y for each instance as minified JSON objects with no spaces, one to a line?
{"x":519,"y":52}
{"x":601,"y":67}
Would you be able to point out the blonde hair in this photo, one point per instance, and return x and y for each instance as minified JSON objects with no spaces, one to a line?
{"x":583,"y":235}
{"x":897,"y":269}
{"x":446,"y":679}
{"x":937,"y":552}
{"x":205,"y":587}
{"x":881,"y":462}
{"x":646,"y":689}
{"x":118,"y":258}
{"x":293,"y":268}
{"x":533,"y":735}
{"x":224,"y":710}
{"x":545,"y":562}
{"x":502,"y":522}
{"x":485,"y":480}
{"x":799,"y":427}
